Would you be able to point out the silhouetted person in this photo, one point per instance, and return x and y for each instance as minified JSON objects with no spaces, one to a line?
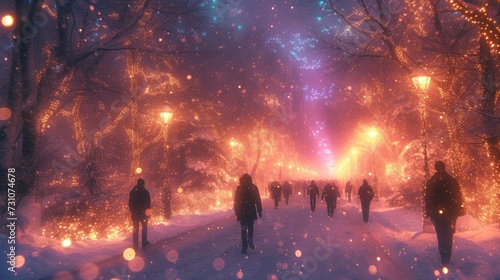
{"x":276,"y":193}
{"x":312,"y":192}
{"x":444,"y":203}
{"x":365,"y":194}
{"x":287,"y":191}
{"x":330,"y":194}
{"x":304,"y":189}
{"x":139,"y":203}
{"x":247,"y":204}
{"x":348,"y":190}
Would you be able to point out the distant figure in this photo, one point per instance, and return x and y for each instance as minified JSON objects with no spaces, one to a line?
{"x":330,"y":194}
{"x":365,"y":194}
{"x":276,"y":193}
{"x":287,"y":191}
{"x":312,"y":192}
{"x":139,"y":203}
{"x":304,"y":188}
{"x":444,"y":203}
{"x":246,"y":206}
{"x":348,"y":190}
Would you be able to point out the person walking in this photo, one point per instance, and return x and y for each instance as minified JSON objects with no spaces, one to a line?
{"x":365,"y":194}
{"x":276,"y":193}
{"x":313,"y":192}
{"x":348,"y":190}
{"x":139,"y":203}
{"x":444,"y":203}
{"x":247,"y":205}
{"x":287,"y":191}
{"x":330,"y":194}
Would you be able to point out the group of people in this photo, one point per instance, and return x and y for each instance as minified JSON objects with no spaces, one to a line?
{"x":276,"y":189}
{"x":331,"y":192}
{"x":443,"y":200}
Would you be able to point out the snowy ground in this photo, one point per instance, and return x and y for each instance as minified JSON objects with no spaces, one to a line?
{"x":292,"y":243}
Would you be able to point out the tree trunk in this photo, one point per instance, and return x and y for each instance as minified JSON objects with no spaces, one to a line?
{"x":489,"y":97}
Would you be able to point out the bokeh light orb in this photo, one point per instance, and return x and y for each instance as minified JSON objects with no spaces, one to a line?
{"x":137,"y":264}
{"x":66,"y":243}
{"x":180,"y":190}
{"x":20,"y":261}
{"x":89,"y":271}
{"x":138,"y":170}
{"x":7,"y":20}
{"x":239,"y":274}
{"x":218,"y":264}
{"x":445,"y":270}
{"x":298,"y":253}
{"x":148,"y":212}
{"x":172,"y":256}
{"x":272,"y":276}
{"x":372,"y":269}
{"x":63,"y":275}
{"x":129,"y":254}
{"x":189,"y":77}
{"x":5,"y":114}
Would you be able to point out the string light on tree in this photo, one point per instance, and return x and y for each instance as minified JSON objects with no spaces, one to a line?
{"x":479,"y":16}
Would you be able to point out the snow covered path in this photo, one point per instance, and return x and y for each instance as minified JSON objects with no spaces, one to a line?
{"x":292,"y":243}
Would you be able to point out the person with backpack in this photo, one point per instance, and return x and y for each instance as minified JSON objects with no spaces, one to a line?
{"x":247,"y":205}
{"x":365,"y":194}
{"x":444,"y":203}
{"x":330,"y":194}
{"x":139,"y":203}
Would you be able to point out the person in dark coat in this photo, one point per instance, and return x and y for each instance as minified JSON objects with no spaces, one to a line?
{"x":365,"y":194}
{"x":348,"y":190}
{"x":276,"y":193}
{"x":247,"y":205}
{"x":330,"y":194}
{"x":444,"y":203}
{"x":313,"y":192}
{"x":287,"y":191}
{"x":139,"y":203}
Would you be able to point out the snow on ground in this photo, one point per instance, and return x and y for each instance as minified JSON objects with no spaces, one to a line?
{"x":292,"y":243}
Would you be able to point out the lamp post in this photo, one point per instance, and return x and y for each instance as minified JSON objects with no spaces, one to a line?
{"x":421,"y":83}
{"x":354,"y":153}
{"x":166,"y":116}
{"x":373,"y":135}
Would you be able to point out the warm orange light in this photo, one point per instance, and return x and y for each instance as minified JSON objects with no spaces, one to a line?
{"x":421,"y":82}
{"x":373,"y":133}
{"x":129,"y":254}
{"x":166,"y":115}
{"x":233,"y":143}
{"x":66,"y":243}
{"x":7,"y":20}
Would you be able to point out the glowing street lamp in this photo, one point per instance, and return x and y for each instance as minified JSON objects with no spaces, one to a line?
{"x":166,"y":117}
{"x":421,"y":83}
{"x":233,"y":143}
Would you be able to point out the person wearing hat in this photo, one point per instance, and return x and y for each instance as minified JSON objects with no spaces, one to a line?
{"x":444,"y":203}
{"x":139,"y":204}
